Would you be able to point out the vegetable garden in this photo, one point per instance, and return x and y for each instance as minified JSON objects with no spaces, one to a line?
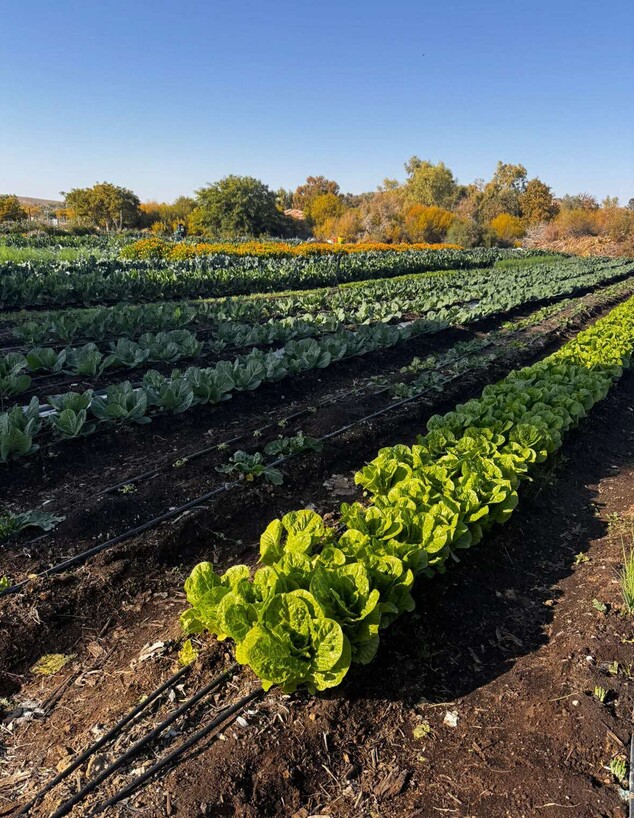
{"x":240,"y":490}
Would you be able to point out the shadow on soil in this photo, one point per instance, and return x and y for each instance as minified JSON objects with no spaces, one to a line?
{"x":471,"y":624}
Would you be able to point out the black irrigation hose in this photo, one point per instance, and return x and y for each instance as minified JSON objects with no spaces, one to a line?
{"x":126,"y":535}
{"x":200,"y":452}
{"x":67,"y":806}
{"x":132,"y":532}
{"x":176,"y":752}
{"x":105,"y":739}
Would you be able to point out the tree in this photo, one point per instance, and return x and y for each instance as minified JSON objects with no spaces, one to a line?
{"x":315,"y":186}
{"x":537,"y":203}
{"x":464,"y":232}
{"x":11,"y":210}
{"x":325,"y":206}
{"x":238,"y":206}
{"x":429,"y":184}
{"x":284,"y":198}
{"x":610,"y":202}
{"x":502,"y":194}
{"x":580,"y":201}
{"x":630,"y":204}
{"x":382,"y":217}
{"x":105,"y":206}
{"x":427,"y":224}
{"x":508,"y":228}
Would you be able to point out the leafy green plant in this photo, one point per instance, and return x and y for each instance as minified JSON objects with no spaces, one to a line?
{"x":87,"y":361}
{"x":12,"y":379}
{"x":600,"y":693}
{"x":121,"y":403}
{"x":284,"y":446}
{"x":617,"y":766}
{"x":425,"y":503}
{"x":11,"y":523}
{"x":70,"y":423}
{"x":45,"y":360}
{"x":249,"y":467}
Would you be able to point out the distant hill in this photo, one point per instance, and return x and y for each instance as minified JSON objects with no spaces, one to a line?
{"x":33,"y":202}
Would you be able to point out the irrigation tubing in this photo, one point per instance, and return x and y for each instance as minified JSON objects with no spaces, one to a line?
{"x":105,"y":739}
{"x":167,"y":760}
{"x":66,"y":807}
{"x":168,"y":515}
{"x":200,"y":452}
{"x":85,"y":555}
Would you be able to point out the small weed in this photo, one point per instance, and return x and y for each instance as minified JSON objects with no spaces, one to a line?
{"x":129,"y":488}
{"x":613,"y":520}
{"x":626,"y":580}
{"x":618,"y":768}
{"x":422,"y":730}
{"x":599,"y":606}
{"x":600,"y":693}
{"x":580,"y":558}
{"x":178,"y":464}
{"x":613,"y":668}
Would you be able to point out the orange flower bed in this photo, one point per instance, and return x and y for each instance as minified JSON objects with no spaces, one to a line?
{"x":155,"y":247}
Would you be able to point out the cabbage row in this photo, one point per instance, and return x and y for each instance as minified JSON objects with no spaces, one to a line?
{"x":379,"y":300}
{"x":92,"y":280}
{"x":74,"y":412}
{"x":321,"y":597}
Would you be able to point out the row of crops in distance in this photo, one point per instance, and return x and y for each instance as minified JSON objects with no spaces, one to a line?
{"x":75,"y":413}
{"x":94,"y":280}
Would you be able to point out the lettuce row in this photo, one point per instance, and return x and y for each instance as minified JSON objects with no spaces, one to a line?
{"x":320,"y":597}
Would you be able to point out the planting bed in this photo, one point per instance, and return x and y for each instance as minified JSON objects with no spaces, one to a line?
{"x":488,"y":684}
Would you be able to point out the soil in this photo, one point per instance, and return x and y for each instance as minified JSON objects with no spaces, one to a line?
{"x":509,"y":641}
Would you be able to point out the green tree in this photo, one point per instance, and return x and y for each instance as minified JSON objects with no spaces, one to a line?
{"x":314,"y":186}
{"x":464,"y":232}
{"x":502,"y":193}
{"x":429,"y":184}
{"x":580,"y":201}
{"x":537,"y":203}
{"x":104,"y":206}
{"x":11,"y":210}
{"x":239,"y":206}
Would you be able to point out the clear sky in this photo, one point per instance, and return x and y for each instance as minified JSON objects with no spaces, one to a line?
{"x":164,"y":96}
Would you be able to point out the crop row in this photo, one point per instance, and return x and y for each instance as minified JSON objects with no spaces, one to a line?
{"x":382,"y":300}
{"x":73,"y":411}
{"x":74,"y":414}
{"x":436,"y":301}
{"x":91,"y":280}
{"x":321,"y":596}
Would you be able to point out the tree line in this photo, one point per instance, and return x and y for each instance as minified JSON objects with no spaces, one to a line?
{"x":429,"y":205}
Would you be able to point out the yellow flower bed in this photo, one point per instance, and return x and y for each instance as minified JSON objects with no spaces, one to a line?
{"x":156,"y":247}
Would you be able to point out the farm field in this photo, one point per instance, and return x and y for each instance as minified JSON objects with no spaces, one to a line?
{"x":402,"y":654}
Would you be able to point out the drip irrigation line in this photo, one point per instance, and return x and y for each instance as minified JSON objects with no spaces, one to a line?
{"x":126,"y":535}
{"x":67,"y":806}
{"x":105,"y":739}
{"x":85,"y":555}
{"x":152,"y":523}
{"x":194,"y":739}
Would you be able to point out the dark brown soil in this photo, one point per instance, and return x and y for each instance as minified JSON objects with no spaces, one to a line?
{"x":50,"y":615}
{"x":509,"y":640}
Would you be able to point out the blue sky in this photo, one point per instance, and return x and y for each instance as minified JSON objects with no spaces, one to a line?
{"x":165,"y":96}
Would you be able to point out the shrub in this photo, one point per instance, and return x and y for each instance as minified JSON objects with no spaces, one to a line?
{"x":507,"y":228}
